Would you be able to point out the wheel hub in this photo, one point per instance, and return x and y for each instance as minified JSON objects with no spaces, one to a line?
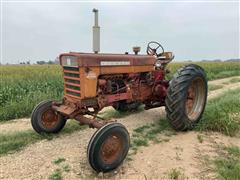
{"x":49,"y":118}
{"x":111,"y":149}
{"x":195,"y":98}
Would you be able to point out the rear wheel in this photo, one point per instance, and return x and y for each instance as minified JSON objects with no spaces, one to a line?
{"x":45,"y":120}
{"x":186,"y":97}
{"x":108,"y":147}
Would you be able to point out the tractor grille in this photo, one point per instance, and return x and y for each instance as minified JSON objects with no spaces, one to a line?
{"x":72,"y":81}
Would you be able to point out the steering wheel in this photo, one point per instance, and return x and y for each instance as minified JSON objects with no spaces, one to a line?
{"x":152,"y":48}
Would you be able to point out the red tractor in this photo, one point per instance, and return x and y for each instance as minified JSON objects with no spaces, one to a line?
{"x":93,"y":81}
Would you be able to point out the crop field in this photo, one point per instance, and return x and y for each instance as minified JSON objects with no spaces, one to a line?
{"x":23,"y":86}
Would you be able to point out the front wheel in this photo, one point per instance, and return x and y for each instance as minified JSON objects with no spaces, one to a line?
{"x":108,"y":147}
{"x":186,"y":97}
{"x":45,"y":120}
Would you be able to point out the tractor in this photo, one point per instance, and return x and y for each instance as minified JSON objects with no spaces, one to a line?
{"x":125,"y":81}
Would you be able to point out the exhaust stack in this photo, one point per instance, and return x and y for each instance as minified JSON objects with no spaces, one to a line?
{"x":96,"y":33}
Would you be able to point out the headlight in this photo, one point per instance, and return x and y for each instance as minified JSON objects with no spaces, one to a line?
{"x":69,"y":61}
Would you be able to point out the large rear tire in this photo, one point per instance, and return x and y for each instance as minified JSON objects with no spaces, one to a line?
{"x":108,"y":147}
{"x":186,"y":97}
{"x":45,"y":120}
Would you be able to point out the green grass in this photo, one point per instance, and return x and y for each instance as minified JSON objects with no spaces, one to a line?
{"x":59,"y":160}
{"x":235,"y":80}
{"x":56,"y":175}
{"x":214,"y":87}
{"x":175,"y":174}
{"x":200,"y":138}
{"x":227,"y":165}
{"x":66,"y":168}
{"x":12,"y":142}
{"x":142,"y":135}
{"x":221,"y":114}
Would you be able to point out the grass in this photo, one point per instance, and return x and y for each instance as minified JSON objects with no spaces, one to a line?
{"x":175,"y":174}
{"x":61,"y":168}
{"x":12,"y":142}
{"x":227,"y":165}
{"x":142,"y":135}
{"x":221,"y":114}
{"x":56,"y":175}
{"x":200,"y":138}
{"x":214,"y":87}
{"x":235,"y":80}
{"x":66,"y":168}
{"x":59,"y":160}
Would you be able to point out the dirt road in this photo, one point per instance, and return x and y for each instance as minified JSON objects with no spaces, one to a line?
{"x":182,"y":151}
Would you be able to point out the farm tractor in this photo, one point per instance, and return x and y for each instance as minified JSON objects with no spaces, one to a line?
{"x":125,"y":81}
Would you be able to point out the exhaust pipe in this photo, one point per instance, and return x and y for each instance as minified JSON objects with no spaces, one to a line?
{"x":96,"y":33}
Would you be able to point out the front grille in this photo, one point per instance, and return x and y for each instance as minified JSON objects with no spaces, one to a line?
{"x":72,"y":81}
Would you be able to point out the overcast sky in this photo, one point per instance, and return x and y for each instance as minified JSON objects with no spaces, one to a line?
{"x":193,"y":31}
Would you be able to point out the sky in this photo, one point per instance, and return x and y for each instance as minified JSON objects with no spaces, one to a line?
{"x":193,"y":30}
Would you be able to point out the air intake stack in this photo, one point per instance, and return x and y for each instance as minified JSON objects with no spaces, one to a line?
{"x":96,"y":33}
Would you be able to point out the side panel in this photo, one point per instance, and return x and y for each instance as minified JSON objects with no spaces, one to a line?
{"x":89,"y":81}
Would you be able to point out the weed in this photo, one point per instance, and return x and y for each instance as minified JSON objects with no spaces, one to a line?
{"x":56,"y":175}
{"x":200,"y":138}
{"x":142,"y":135}
{"x":59,"y":160}
{"x":175,"y":174}
{"x":66,"y":168}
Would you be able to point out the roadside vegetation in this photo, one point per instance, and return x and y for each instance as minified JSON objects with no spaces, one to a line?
{"x":12,"y":142}
{"x":227,"y":164}
{"x":24,"y":86}
{"x":214,"y":87}
{"x":222,"y":114}
{"x":62,"y":167}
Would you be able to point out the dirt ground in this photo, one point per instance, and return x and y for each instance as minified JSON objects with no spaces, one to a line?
{"x":182,"y":151}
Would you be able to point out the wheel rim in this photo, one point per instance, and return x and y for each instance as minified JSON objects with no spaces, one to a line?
{"x":49,"y":118}
{"x":111,"y":149}
{"x":196,"y":96}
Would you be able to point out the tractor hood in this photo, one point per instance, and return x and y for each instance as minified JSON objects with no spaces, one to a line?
{"x":91,"y":59}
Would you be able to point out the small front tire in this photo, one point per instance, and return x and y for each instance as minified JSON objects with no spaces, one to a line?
{"x":45,"y":120}
{"x":108,"y":147}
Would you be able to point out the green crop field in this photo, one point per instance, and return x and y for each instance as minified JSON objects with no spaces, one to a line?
{"x":23,"y":86}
